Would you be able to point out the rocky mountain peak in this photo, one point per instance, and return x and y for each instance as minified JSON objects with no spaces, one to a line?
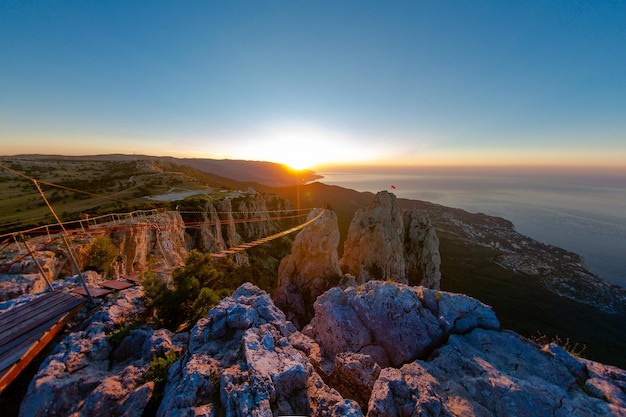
{"x":374,"y":247}
{"x":384,"y":242}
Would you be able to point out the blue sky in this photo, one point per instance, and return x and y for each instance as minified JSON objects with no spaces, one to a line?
{"x":311,"y":82}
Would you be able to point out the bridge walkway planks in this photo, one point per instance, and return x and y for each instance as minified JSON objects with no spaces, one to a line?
{"x":27,"y":329}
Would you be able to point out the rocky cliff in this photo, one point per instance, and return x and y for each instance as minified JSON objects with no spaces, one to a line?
{"x":231,"y":221}
{"x":380,"y":349}
{"x":142,"y":241}
{"x":310,"y":269}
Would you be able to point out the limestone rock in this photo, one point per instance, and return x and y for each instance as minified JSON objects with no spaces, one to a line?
{"x":354,"y":375}
{"x":392,"y":323}
{"x":241,"y":361}
{"x":310,"y":269}
{"x":88,"y":376}
{"x":158,"y":239}
{"x":491,"y":373}
{"x":384,"y":243}
{"x":374,"y":246}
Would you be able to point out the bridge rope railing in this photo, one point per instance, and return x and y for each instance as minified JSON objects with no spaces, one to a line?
{"x":116,"y":225}
{"x":266,"y":239}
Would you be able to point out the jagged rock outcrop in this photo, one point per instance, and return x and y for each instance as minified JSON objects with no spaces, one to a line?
{"x":158,"y":237}
{"x":310,"y":269}
{"x":234,"y":220}
{"x":373,"y":249}
{"x":87,"y":375}
{"x":386,"y":243}
{"x":246,"y":359}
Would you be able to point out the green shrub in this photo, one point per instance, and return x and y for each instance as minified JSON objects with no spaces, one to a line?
{"x":100,"y":255}
{"x":157,"y":373}
{"x":174,"y":304}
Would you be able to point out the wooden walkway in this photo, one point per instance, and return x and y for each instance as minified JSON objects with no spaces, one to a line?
{"x":27,"y":329}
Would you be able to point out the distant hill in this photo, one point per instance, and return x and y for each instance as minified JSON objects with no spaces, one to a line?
{"x":266,"y":173}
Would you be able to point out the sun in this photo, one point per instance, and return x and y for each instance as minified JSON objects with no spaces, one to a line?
{"x":303,"y":146}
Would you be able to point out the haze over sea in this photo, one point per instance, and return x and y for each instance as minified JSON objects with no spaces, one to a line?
{"x":582,"y":211}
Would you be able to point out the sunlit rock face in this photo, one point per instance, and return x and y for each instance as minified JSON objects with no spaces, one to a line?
{"x":385,"y":243}
{"x":220,"y":226}
{"x":155,"y":240}
{"x":310,"y":269}
{"x":159,"y":238}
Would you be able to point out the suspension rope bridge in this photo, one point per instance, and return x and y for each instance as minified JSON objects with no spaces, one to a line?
{"x":28,"y":328}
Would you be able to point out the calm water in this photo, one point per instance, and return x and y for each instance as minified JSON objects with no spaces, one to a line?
{"x":581,"y":212}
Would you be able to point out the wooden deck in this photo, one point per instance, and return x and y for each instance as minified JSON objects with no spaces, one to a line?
{"x":27,"y":329}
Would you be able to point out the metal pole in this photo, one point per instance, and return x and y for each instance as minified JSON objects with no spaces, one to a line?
{"x":67,"y":243}
{"x":41,"y":271}
{"x":17,"y":243}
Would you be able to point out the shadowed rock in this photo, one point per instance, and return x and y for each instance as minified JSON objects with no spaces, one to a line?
{"x":310,"y":269}
{"x":87,"y":375}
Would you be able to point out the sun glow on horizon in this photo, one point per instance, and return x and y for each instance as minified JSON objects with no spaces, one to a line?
{"x":304,"y":146}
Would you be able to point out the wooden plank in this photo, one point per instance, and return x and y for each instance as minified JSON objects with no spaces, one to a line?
{"x":14,"y":337}
{"x":35,"y":307}
{"x":10,"y":332}
{"x":95,"y":292}
{"x":8,"y":345}
{"x":12,"y":352}
{"x":133,"y":278}
{"x":116,"y":285}
{"x":14,"y":314}
{"x":7,"y":376}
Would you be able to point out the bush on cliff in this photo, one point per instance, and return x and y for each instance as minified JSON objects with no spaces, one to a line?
{"x":174,"y":304}
{"x":198,"y":286}
{"x":100,"y":255}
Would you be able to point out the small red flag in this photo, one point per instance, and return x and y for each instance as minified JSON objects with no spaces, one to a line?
{"x":393,"y":187}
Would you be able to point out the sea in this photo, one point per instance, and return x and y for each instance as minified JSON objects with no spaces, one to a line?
{"x":583,"y":211}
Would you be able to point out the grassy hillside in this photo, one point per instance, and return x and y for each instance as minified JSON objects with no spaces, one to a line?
{"x":107,"y":185}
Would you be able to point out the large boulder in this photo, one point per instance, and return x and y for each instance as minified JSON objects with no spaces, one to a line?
{"x":310,"y":269}
{"x":393,"y":323}
{"x":491,"y":373}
